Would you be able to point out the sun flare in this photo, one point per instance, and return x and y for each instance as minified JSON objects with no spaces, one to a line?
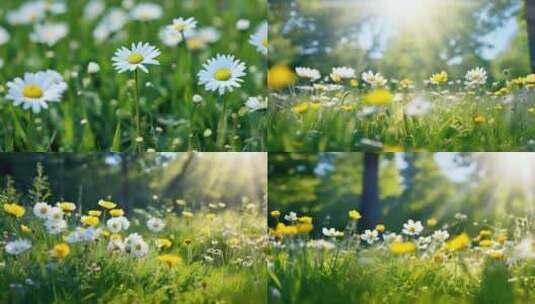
{"x":405,"y":12}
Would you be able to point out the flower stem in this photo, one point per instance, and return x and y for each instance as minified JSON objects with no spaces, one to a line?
{"x":221,"y":129}
{"x":136,"y":103}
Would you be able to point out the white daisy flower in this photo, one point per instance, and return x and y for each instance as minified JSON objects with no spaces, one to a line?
{"x":375,"y":80}
{"x":222,"y":73}
{"x":291,"y":217}
{"x":93,"y":68}
{"x":169,"y":37}
{"x":146,"y":12}
{"x":35,"y":90}
{"x":155,"y":224}
{"x":423,"y":242}
{"x":41,"y":210}
{"x":243,"y":24}
{"x":441,"y":235}
{"x":28,"y":13}
{"x":308,"y":73}
{"x":260,"y":38}
{"x":475,"y":77}
{"x":256,"y":103}
{"x":331,"y":232}
{"x":4,"y":36}
{"x":112,"y":22}
{"x":139,"y":249}
{"x":370,"y":236}
{"x":412,"y":227}
{"x":116,"y":246}
{"x":419,"y":106}
{"x":340,"y":73}
{"x":116,"y":224}
{"x":93,"y":9}
{"x":55,"y":227}
{"x":392,"y":237}
{"x":18,"y":246}
{"x":181,"y":25}
{"x":49,"y":33}
{"x":55,"y":214}
{"x":136,"y":57}
{"x":131,"y":239}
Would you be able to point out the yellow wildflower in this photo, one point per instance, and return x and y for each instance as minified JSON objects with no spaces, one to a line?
{"x":116,"y":237}
{"x":485,"y":243}
{"x":379,"y":97}
{"x":106,"y":204}
{"x":94,"y":213}
{"x":280,"y":76}
{"x":14,"y":209}
{"x":275,"y":213}
{"x":305,"y":219}
{"x":169,"y":259}
{"x":485,"y":233}
{"x":402,"y":247}
{"x":354,"y":83}
{"x":67,"y":206}
{"x":304,"y":227}
{"x":163,"y":243}
{"x":406,"y":83}
{"x":460,"y":242}
{"x":354,"y":215}
{"x":61,"y":250}
{"x":439,"y":78}
{"x":480,"y":119}
{"x":25,"y":229}
{"x":116,"y":212}
{"x":496,"y":254}
{"x":432,"y":222}
{"x":501,"y":238}
{"x":381,"y":228}
{"x":438,"y":257}
{"x":90,"y":220}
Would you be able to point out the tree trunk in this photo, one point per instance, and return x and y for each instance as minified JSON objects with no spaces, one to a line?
{"x":530,"y":17}
{"x":370,"y":209}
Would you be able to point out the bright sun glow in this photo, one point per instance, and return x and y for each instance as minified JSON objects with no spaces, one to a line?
{"x":405,"y":11}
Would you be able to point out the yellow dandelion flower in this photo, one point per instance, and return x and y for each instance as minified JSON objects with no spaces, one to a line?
{"x":354,"y":83}
{"x":439,"y":78}
{"x":381,"y":228}
{"x":439,"y":257}
{"x":485,"y":243}
{"x":90,"y":220}
{"x":116,"y":212}
{"x":379,"y":97}
{"x":280,"y":76}
{"x":106,"y":204}
{"x":94,"y":213}
{"x":480,"y":119}
{"x":305,"y":219}
{"x":163,"y":243}
{"x":25,"y":229}
{"x":14,"y":210}
{"x":496,"y":254}
{"x":116,"y":237}
{"x":170,"y":259}
{"x":458,"y":243}
{"x":402,"y":248}
{"x":354,"y":215}
{"x":275,"y":213}
{"x":432,"y":222}
{"x":67,"y":206}
{"x":485,"y":233}
{"x":105,"y":233}
{"x":501,"y":92}
{"x":61,"y":250}
{"x":501,"y":238}
{"x":304,"y":227}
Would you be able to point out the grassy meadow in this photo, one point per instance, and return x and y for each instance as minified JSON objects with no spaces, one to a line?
{"x":166,"y":109}
{"x":171,"y":253}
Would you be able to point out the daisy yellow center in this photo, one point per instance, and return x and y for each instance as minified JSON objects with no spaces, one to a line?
{"x":223,"y":74}
{"x":180,"y":27}
{"x":135,"y":58}
{"x":265,"y":42}
{"x":32,"y":91}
